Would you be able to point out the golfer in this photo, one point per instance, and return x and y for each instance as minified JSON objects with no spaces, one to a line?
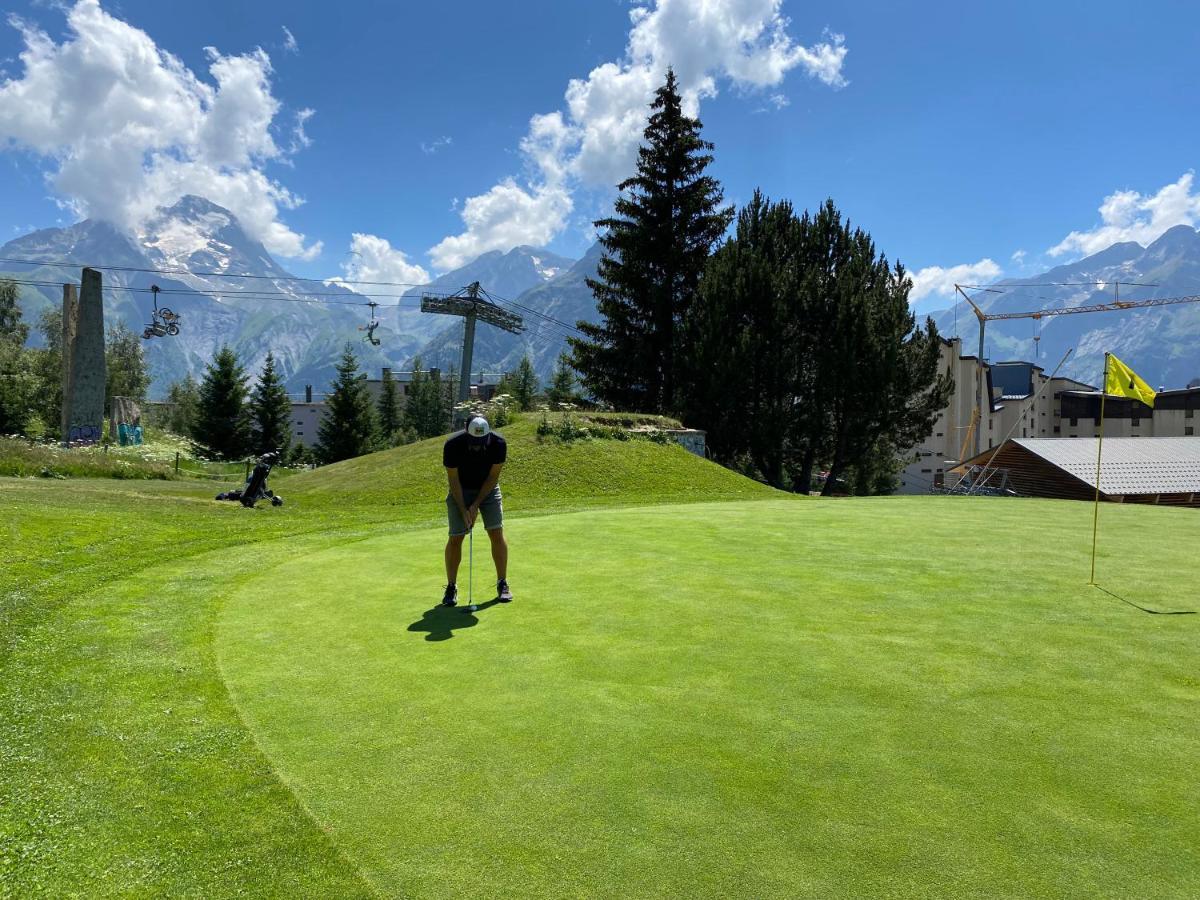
{"x":473,"y":459}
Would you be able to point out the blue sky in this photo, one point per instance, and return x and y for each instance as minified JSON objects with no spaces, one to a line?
{"x":958,"y":134}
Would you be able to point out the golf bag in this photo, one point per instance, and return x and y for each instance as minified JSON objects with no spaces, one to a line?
{"x":255,"y":488}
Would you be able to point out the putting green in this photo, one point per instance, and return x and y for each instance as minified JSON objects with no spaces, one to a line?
{"x":775,"y":698}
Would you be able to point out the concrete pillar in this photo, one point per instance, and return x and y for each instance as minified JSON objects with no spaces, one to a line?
{"x":83,"y":391}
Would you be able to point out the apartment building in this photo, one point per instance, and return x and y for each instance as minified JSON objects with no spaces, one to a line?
{"x":1024,"y":402}
{"x":1027,"y":403}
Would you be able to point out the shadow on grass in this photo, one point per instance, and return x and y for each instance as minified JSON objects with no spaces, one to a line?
{"x":1153,"y":612}
{"x":441,"y":622}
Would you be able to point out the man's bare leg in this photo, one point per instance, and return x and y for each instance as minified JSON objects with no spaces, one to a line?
{"x":499,"y":553}
{"x":453,"y":557}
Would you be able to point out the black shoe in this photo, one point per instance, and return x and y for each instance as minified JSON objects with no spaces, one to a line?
{"x":451,"y":597}
{"x":503,"y":594}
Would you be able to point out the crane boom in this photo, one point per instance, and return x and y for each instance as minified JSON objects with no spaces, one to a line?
{"x":1115,"y":305}
{"x":1098,"y":307}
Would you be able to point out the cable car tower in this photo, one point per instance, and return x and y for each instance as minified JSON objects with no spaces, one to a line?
{"x":472,"y":307}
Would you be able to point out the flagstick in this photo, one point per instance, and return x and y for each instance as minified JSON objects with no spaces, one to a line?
{"x":1099,"y":452}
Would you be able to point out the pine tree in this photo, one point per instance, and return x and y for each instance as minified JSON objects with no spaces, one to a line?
{"x":562,"y":382}
{"x":48,"y":365}
{"x":19,"y":385}
{"x":222,"y":421}
{"x":437,"y":405}
{"x":184,"y":397}
{"x":271,"y":412}
{"x":525,"y":384}
{"x":667,"y":218}
{"x":390,"y":416}
{"x":128,"y":374}
{"x":744,"y":342}
{"x":805,"y":352}
{"x":348,"y":427}
{"x":878,"y":380}
{"x":425,"y":410}
{"x":12,"y":329}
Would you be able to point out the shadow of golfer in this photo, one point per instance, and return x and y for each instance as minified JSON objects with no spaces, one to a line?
{"x":441,"y":622}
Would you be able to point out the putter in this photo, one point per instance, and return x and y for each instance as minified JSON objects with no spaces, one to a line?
{"x":471,"y":607}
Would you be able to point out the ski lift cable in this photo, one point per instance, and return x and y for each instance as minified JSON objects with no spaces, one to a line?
{"x":513,"y":303}
{"x":335,"y":279}
{"x":301,"y":297}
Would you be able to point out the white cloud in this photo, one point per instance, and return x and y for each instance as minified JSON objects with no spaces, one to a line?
{"x":430,"y":147}
{"x":374,"y":259}
{"x":592,"y":143}
{"x":1019,"y":257}
{"x":126,"y":127}
{"x":289,"y":40}
{"x":506,"y":216}
{"x":940,"y":281}
{"x":1131,"y":216}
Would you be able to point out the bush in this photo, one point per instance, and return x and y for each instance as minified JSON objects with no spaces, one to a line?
{"x":567,"y":427}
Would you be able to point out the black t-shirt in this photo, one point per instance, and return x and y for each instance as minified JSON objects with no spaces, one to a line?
{"x":473,"y":458}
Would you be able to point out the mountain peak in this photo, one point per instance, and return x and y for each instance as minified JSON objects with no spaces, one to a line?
{"x":193,"y":205}
{"x":1180,"y":236}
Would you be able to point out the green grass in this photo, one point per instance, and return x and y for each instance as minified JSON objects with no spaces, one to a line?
{"x":911,"y":697}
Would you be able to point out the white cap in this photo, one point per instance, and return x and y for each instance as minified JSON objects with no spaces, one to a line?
{"x":479,"y":427}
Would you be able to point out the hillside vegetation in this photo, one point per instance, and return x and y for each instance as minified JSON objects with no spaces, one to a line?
{"x":540,"y":473}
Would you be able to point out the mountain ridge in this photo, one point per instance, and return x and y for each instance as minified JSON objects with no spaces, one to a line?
{"x":1161,"y":343}
{"x":230,"y":290}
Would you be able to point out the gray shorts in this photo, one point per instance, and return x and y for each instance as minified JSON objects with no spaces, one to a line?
{"x":491,"y":510}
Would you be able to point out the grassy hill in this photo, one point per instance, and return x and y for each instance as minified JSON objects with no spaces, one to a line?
{"x":540,"y":474}
{"x":903,"y":696}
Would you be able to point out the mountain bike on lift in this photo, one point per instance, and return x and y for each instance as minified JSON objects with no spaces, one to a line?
{"x":163,"y":322}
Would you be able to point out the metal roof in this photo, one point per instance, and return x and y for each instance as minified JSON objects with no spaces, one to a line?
{"x":1150,"y":465}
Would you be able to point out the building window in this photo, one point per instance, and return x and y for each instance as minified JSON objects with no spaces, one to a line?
{"x":1187,"y":431}
{"x":1074,"y":422}
{"x":299,"y":434}
{"x":1188,"y":413}
{"x":1057,"y":430}
{"x":1135,"y":422}
{"x":939,"y":434}
{"x":927,"y":471}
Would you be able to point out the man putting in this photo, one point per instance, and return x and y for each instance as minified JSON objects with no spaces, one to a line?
{"x":473,"y":459}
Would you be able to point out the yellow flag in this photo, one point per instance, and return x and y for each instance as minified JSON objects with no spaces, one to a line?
{"x":1122,"y":381}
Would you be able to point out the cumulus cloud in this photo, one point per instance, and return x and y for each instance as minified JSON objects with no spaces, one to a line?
{"x":374,"y":259}
{"x":1131,"y":216}
{"x":1019,"y":257}
{"x":126,"y":127}
{"x":939,"y":281}
{"x":592,"y":142}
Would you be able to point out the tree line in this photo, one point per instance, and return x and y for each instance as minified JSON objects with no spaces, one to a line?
{"x":233,"y":420}
{"x":790,"y":340}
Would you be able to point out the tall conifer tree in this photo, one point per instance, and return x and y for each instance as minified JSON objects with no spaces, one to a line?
{"x":222,"y":420}
{"x":525,"y":384}
{"x":271,"y":412}
{"x":390,"y":415}
{"x":667,"y":218}
{"x":348,"y":428}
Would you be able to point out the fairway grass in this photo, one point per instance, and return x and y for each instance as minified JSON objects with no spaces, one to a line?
{"x":904,"y":697}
